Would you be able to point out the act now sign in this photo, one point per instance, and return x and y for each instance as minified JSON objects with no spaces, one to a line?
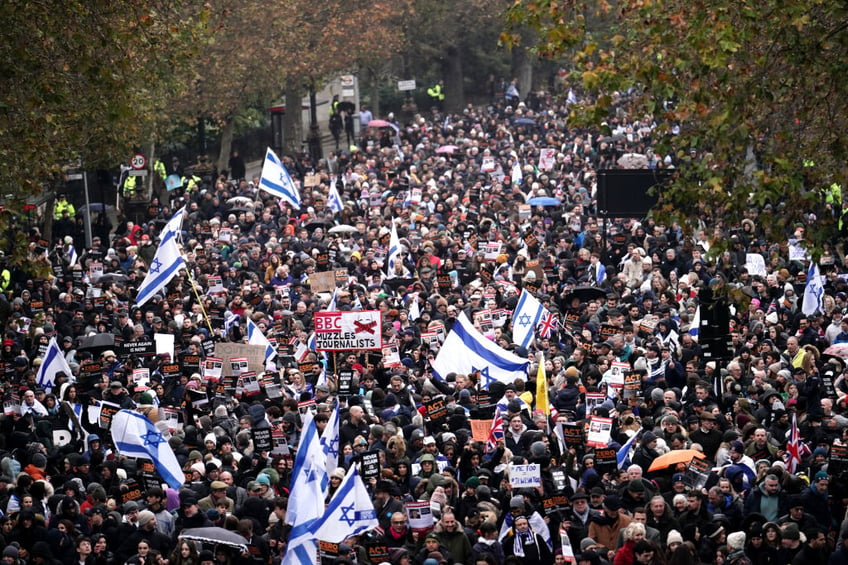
{"x":338,"y":331}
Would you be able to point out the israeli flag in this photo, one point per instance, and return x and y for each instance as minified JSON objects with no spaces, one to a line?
{"x":305,"y":500}
{"x":53,"y":363}
{"x":466,"y":351}
{"x":256,"y":337}
{"x":136,"y":436}
{"x":813,"y":292}
{"x":695,"y":325}
{"x":166,"y":263}
{"x":233,"y":320}
{"x":334,"y":200}
{"x":331,"y":305}
{"x":394,"y":253}
{"x":175,"y":224}
{"x":276,"y":180}
{"x":525,"y":318}
{"x":72,"y":256}
{"x":623,"y":455}
{"x":349,"y":513}
{"x":330,"y":442}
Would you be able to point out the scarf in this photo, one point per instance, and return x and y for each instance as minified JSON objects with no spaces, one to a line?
{"x":522,"y":539}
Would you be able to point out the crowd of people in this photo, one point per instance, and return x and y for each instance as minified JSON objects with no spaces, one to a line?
{"x":767,"y":416}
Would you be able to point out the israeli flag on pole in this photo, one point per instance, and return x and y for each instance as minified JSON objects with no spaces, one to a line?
{"x":525,"y":318}
{"x":394,"y":252}
{"x":72,"y":256}
{"x":256,"y":337}
{"x":164,"y":266}
{"x":466,"y":351}
{"x":695,"y":325}
{"x":349,"y":513}
{"x":334,"y":200}
{"x":309,"y":467}
{"x":276,"y":180}
{"x":175,"y":224}
{"x":517,"y":176}
{"x":305,"y":500}
{"x":813,"y":292}
{"x":330,"y":443}
{"x":136,"y":436}
{"x":53,"y":363}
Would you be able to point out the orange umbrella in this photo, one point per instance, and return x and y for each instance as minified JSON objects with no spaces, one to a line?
{"x":675,"y":457}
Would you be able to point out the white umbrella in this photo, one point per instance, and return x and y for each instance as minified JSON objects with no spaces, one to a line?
{"x":344,"y":228}
{"x":240,"y":201}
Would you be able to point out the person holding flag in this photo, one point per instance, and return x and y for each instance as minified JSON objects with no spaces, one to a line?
{"x":165,"y":265}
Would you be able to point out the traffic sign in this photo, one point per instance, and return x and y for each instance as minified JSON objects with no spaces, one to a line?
{"x":406,"y":85}
{"x":138,"y":161}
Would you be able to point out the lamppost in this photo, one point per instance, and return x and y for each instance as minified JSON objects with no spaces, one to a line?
{"x":314,"y":137}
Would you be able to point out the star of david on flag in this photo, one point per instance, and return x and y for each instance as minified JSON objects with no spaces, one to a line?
{"x":466,"y":350}
{"x":136,"y":436}
{"x":525,"y":318}
{"x":166,"y":263}
{"x":276,"y":180}
{"x":349,"y":513}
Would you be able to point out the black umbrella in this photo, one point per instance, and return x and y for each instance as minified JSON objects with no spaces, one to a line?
{"x":397,"y":282}
{"x":97,"y":343}
{"x":113,"y":277}
{"x":585,"y":294}
{"x":239,"y":209}
{"x":323,"y":224}
{"x":347,"y":106}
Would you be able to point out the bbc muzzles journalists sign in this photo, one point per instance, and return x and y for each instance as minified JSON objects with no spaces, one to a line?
{"x":342,"y":331}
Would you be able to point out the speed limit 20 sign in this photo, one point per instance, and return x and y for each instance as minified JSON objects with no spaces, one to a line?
{"x":138,"y":161}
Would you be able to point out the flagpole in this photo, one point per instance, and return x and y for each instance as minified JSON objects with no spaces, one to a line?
{"x":199,"y":301}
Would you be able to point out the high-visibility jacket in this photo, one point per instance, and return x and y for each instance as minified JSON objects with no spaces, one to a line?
{"x":159,"y":167}
{"x":129,"y":187}
{"x":191,"y":182}
{"x":436,"y":93}
{"x":61,"y":207}
{"x":5,"y":279}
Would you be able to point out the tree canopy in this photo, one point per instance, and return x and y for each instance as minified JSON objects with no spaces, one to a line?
{"x":755,"y":90}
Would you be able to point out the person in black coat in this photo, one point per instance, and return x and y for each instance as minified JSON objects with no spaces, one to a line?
{"x":527,"y":544}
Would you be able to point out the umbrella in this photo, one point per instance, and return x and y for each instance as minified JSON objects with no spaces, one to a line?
{"x":215,"y":536}
{"x":837,"y":350}
{"x":97,"y":343}
{"x":447,"y":149}
{"x":633,"y":161}
{"x":239,"y":209}
{"x":585,"y":294}
{"x":95,"y":207}
{"x":323,"y":224}
{"x":524,"y":122}
{"x":379,"y":124}
{"x":398,"y":281}
{"x":544,"y":201}
{"x":113,"y":277}
{"x":674,"y":457}
{"x":240,"y":201}
{"x":346,"y":106}
{"x":344,"y":228}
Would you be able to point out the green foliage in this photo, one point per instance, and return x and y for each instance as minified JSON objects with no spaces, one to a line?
{"x":757,"y":89}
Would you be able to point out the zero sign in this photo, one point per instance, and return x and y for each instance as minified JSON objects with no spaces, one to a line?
{"x":138,"y":161}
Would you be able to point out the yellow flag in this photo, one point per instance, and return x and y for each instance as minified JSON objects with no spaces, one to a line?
{"x":542,"y":404}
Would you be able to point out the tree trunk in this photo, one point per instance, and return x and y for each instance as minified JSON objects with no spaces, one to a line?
{"x":293,"y":138}
{"x":522,"y":69}
{"x":226,"y":144}
{"x":454,"y":78}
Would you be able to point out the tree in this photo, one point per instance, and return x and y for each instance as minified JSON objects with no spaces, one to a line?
{"x":756,"y":90}
{"x":83,"y":80}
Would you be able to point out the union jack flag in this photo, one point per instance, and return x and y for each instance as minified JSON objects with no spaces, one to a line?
{"x":796,"y":450}
{"x":496,"y":432}
{"x":548,"y":324}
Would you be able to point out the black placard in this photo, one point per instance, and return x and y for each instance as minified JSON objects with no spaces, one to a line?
{"x":436,"y":409}
{"x":370,"y":468}
{"x":190,"y":363}
{"x":146,"y":347}
{"x":555,"y":503}
{"x":345,"y":386}
{"x":262,"y":440}
{"x":605,"y":460}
